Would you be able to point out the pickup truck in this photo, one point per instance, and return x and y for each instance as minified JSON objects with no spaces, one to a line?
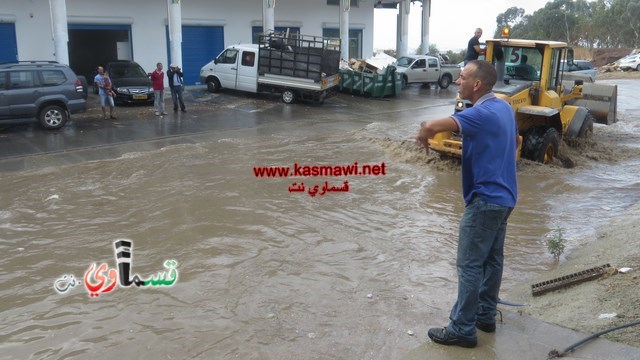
{"x":295,"y":66}
{"x":580,"y":67}
{"x":426,"y":69}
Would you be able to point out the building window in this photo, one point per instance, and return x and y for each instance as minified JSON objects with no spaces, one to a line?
{"x":354,"y":3}
{"x":355,"y":40}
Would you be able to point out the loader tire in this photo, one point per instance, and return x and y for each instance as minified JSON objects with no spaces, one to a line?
{"x":586,"y":130}
{"x":540,"y":144}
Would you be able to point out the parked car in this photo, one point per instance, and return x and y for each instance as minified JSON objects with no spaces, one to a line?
{"x":630,"y":62}
{"x":581,"y":67}
{"x":44,"y":90}
{"x":130,"y":82}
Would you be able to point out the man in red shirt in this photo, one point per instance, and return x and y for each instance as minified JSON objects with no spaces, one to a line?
{"x":157,"y":82}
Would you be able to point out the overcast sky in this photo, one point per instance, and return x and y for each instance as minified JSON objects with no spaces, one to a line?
{"x":452,"y":22}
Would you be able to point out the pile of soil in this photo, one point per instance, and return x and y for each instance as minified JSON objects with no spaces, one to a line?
{"x":601,"y":57}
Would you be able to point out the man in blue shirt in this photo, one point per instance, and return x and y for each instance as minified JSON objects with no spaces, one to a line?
{"x":489,"y":186}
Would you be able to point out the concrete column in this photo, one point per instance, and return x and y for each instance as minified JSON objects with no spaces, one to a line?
{"x":59,"y":30}
{"x":345,"y":7}
{"x":175,"y":32}
{"x":402,"y":44}
{"x":426,"y":14}
{"x":268,"y":15}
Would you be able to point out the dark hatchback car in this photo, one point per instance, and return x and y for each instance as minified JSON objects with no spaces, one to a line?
{"x":44,"y":90}
{"x":130,"y":82}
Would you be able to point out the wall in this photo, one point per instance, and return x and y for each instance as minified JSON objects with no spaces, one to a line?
{"x":148,"y":19}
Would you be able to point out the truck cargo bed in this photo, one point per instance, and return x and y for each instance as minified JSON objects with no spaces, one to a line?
{"x":299,"y":56}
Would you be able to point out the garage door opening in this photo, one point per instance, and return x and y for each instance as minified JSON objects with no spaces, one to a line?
{"x":93,"y":45}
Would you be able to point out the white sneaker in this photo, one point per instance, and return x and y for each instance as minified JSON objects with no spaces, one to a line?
{"x":165,"y":113}
{"x":157,"y":113}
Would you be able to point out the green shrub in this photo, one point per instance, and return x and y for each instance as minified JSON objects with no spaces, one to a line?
{"x":556,"y":244}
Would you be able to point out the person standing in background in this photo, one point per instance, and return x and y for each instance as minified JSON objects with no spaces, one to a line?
{"x":103,"y":83}
{"x":176,"y":86}
{"x":157,"y":82}
{"x":473,"y":47}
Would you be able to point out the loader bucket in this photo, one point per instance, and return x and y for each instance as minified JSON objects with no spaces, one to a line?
{"x":601,"y":100}
{"x":446,"y":143}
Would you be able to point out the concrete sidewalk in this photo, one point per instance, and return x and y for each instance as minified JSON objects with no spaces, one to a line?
{"x":522,"y":338}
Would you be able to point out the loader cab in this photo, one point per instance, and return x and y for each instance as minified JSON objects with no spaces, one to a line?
{"x":520,"y":63}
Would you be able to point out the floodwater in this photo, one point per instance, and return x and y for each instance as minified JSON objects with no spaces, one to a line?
{"x":268,"y":273}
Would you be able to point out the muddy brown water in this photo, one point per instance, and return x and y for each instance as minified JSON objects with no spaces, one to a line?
{"x":265,"y":273}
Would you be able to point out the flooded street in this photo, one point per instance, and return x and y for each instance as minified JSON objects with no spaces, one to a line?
{"x":269,"y":273}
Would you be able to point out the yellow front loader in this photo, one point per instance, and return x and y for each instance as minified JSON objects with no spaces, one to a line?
{"x":547,"y":107}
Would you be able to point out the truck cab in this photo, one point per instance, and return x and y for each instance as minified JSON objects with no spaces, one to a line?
{"x":235,"y":68}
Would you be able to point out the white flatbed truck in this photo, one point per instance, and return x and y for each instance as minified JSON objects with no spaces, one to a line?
{"x":296,"y":66}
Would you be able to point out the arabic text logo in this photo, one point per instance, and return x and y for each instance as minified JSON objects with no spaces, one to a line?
{"x":102,"y":279}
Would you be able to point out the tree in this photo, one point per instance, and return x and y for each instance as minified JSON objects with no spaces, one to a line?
{"x":589,"y":23}
{"x":511,"y":18}
{"x":633,"y":15}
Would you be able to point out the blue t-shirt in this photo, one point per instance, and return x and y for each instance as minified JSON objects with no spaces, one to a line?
{"x":99,"y":79}
{"x":489,"y":133}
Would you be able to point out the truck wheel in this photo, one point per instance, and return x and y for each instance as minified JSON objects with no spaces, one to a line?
{"x":445,"y":81}
{"x":213,"y":85}
{"x":288,"y":96}
{"x":540,"y":144}
{"x":586,"y":130}
{"x":53,"y":117}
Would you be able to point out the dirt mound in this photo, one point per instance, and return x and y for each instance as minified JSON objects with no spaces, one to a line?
{"x":601,"y":57}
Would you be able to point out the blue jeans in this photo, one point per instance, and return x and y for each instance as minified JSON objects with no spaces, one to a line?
{"x":480,"y":261}
{"x":176,"y":95}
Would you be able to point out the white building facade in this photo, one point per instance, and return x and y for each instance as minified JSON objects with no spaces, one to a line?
{"x":188,"y":32}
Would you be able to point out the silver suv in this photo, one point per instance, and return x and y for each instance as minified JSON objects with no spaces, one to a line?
{"x":43,"y":90}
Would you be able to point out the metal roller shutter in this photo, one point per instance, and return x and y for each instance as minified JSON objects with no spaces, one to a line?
{"x":200,"y":44}
{"x":8,"y":44}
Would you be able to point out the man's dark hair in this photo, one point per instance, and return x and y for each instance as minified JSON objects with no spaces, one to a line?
{"x":484,"y":72}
